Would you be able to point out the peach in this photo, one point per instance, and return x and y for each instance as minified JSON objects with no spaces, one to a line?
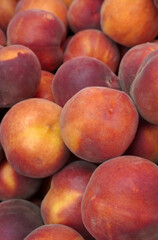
{"x":18,"y":218}
{"x":62,"y":203}
{"x":15,"y":185}
{"x":3,"y":39}
{"x":44,"y":87}
{"x":78,"y":73}
{"x":57,"y":7}
{"x":144,"y":88}
{"x":54,"y":231}
{"x":131,"y":62}
{"x":94,"y":120}
{"x":93,"y":43}
{"x":7,"y":8}
{"x":20,"y":74}
{"x":145,"y":143}
{"x":30,"y":137}
{"x":129,"y":23}
{"x":42,"y":32}
{"x":121,"y":200}
{"x":84,"y":15}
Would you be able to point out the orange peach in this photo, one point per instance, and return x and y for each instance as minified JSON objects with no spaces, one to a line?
{"x":84,"y":15}
{"x":98,"y":123}
{"x":131,"y":62}
{"x":144,"y":88}
{"x":42,"y":32}
{"x":18,"y":218}
{"x":78,"y":73}
{"x":93,"y":43}
{"x":54,"y":232}
{"x":20,"y":74}
{"x":57,"y":7}
{"x":62,"y":203}
{"x":44,"y":87}
{"x":7,"y":8}
{"x":15,"y":185}
{"x":121,"y":200}
{"x":129,"y":22}
{"x":30,"y":137}
{"x":145,"y":143}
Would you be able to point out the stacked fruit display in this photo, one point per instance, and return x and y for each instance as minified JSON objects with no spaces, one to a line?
{"x":78,"y":120}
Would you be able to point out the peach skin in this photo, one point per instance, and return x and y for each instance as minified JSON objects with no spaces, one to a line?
{"x":129,"y":22}
{"x":93,"y":43}
{"x":31,"y":139}
{"x":121,"y":200}
{"x":94,"y":120}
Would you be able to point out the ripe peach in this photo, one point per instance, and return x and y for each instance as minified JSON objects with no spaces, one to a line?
{"x":121,"y":200}
{"x":95,"y":119}
{"x":15,"y":185}
{"x":84,"y":15}
{"x":30,"y":137}
{"x":42,"y":32}
{"x":145,"y":143}
{"x":54,"y":232}
{"x":18,"y":218}
{"x":44,"y":87}
{"x":78,"y":73}
{"x":129,"y":22}
{"x":7,"y":8}
{"x":131,"y":62}
{"x":93,"y":43}
{"x":62,"y":203}
{"x":57,"y":7}
{"x":20,"y":74}
{"x":144,"y":88}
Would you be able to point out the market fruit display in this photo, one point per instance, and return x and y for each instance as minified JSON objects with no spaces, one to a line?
{"x":78,"y":120}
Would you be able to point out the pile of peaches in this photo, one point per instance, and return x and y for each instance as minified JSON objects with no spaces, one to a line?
{"x":78,"y":120}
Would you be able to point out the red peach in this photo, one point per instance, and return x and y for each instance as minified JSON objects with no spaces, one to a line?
{"x":54,"y":231}
{"x":78,"y":73}
{"x":144,"y":88}
{"x":18,"y":218}
{"x":20,"y":74}
{"x":131,"y":62}
{"x":145,"y":143}
{"x":62,"y":203}
{"x":94,"y":120}
{"x":57,"y":7}
{"x":84,"y":15}
{"x":42,"y":32}
{"x":15,"y":185}
{"x":30,"y":137}
{"x":93,"y":43}
{"x":44,"y":87}
{"x":121,"y":200}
